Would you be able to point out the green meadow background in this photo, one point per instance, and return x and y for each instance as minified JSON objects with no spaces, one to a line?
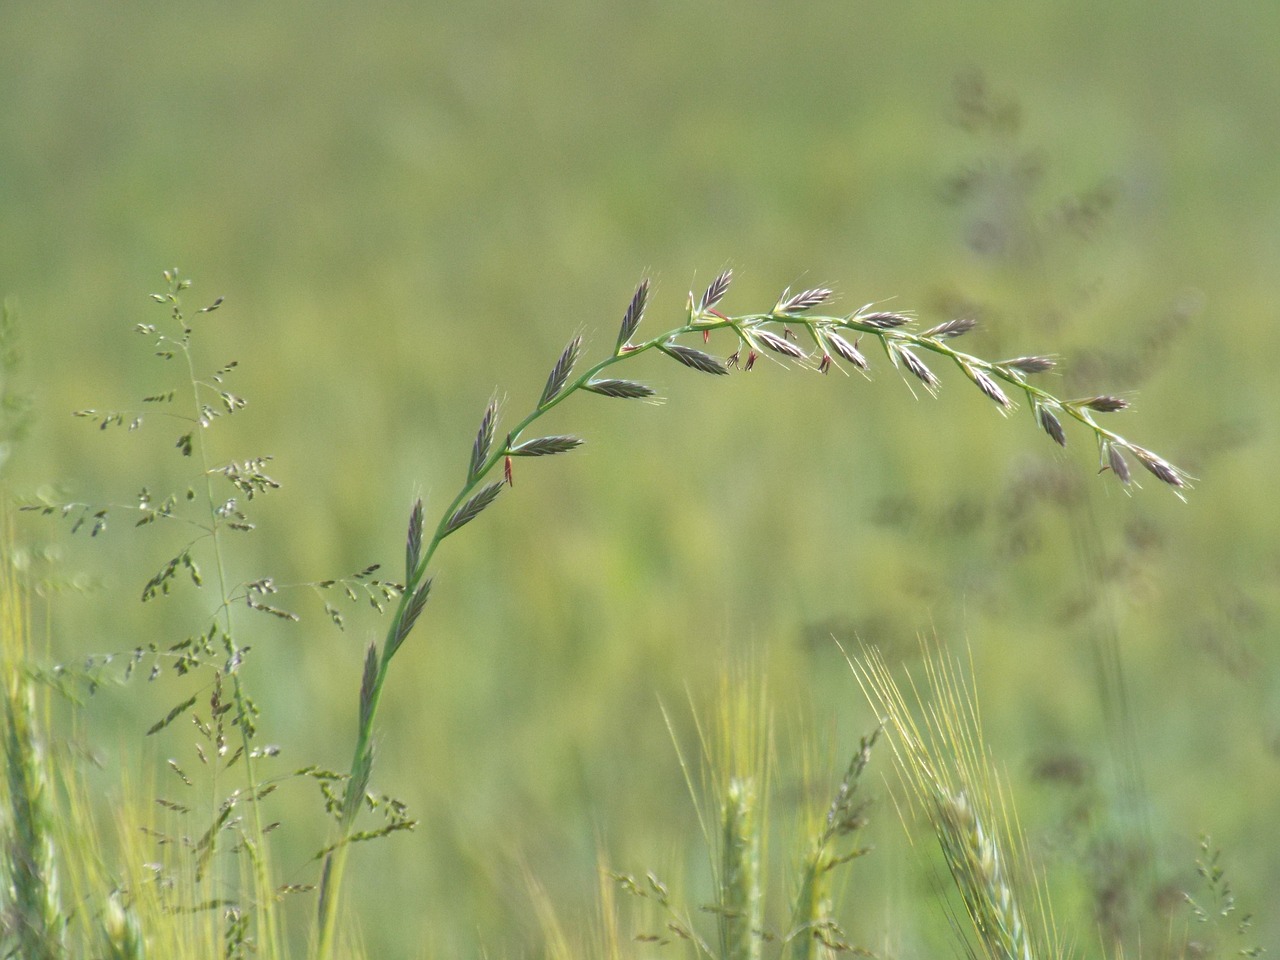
{"x":410,"y":206}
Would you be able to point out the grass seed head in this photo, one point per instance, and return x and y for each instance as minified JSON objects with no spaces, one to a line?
{"x":635,"y":313}
{"x":800,"y":302}
{"x":1102,"y":404}
{"x":622,"y":389}
{"x":1116,"y":461}
{"x":695,"y":359}
{"x":716,"y":291}
{"x":1029,"y":364}
{"x":881,"y":320}
{"x":560,"y":372}
{"x":951,"y":328}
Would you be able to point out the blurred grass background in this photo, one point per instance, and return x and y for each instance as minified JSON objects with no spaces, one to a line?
{"x":409,"y":205}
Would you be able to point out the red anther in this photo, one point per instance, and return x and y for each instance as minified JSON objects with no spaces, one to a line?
{"x":717,"y":314}
{"x":825,"y":365}
{"x":706,"y":336}
{"x":751,"y":360}
{"x":506,"y":471}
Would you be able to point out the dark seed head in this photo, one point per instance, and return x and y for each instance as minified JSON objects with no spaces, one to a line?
{"x":1103,"y":404}
{"x":1029,"y":364}
{"x":1052,"y":425}
{"x":801,"y":302}
{"x":1119,"y":466}
{"x":715,"y":293}
{"x":952,"y":328}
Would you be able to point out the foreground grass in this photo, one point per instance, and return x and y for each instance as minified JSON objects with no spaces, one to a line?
{"x":231,"y":853}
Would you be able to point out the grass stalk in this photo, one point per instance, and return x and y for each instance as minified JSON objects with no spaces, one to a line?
{"x":833,"y":339}
{"x":951,"y":780}
{"x":199,"y":419}
{"x":32,"y":923}
{"x":814,"y":933}
{"x":740,"y":896}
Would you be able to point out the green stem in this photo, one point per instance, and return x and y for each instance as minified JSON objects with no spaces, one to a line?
{"x":258,"y":854}
{"x":700,"y":322}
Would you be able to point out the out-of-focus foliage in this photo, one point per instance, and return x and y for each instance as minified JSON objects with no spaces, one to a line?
{"x":409,"y":205}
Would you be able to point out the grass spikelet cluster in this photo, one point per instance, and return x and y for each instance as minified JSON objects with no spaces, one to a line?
{"x":734,"y":789}
{"x":815,"y":933}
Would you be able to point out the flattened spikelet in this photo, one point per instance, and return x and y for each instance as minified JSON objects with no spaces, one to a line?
{"x":988,"y":386}
{"x":1119,"y":466}
{"x":1103,"y":404}
{"x":635,"y":313}
{"x":471,"y":509}
{"x":847,"y":350}
{"x":623,"y":389}
{"x":881,"y":320}
{"x":411,"y":613}
{"x":560,"y":372}
{"x":801,"y":302}
{"x":1051,"y":424}
{"x":694,"y":358}
{"x":776,"y":343}
{"x":715,"y":293}
{"x":413,"y":542}
{"x":545,"y":446}
{"x":1029,"y":364}
{"x":918,"y":368}
{"x":952,"y":328}
{"x":484,"y":440}
{"x":1162,"y":469}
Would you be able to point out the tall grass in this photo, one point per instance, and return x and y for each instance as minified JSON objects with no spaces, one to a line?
{"x":232,"y":857}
